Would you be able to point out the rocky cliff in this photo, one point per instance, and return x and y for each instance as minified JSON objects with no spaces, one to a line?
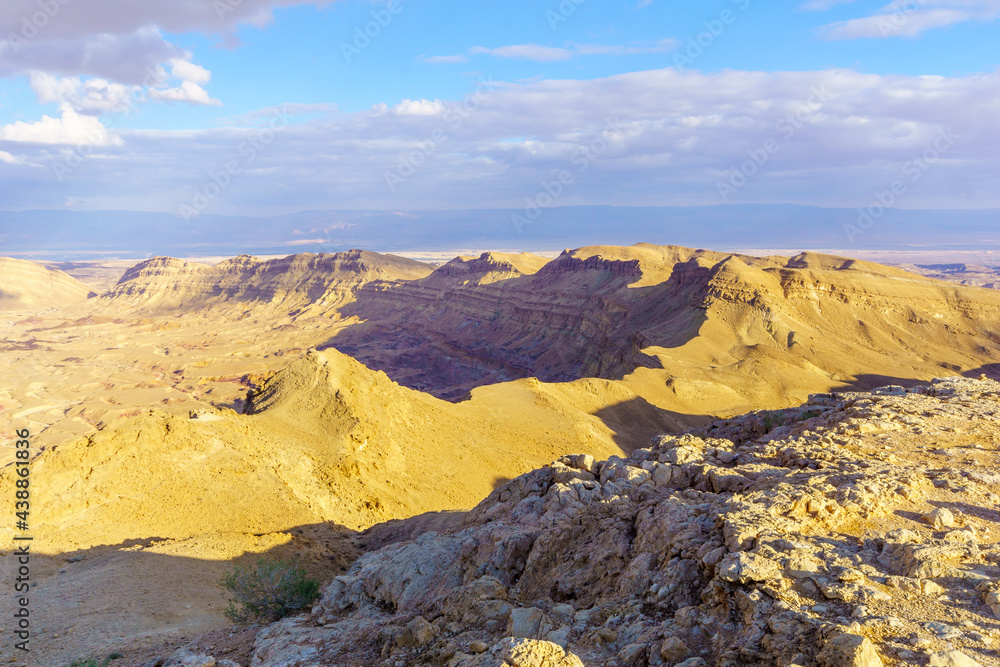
{"x":288,"y":284}
{"x":860,"y":529}
{"x":964,"y":274}
{"x":693,"y":319}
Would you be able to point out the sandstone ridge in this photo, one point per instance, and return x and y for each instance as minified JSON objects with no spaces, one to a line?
{"x":324,"y":440}
{"x":290,"y":283}
{"x":730,"y":330}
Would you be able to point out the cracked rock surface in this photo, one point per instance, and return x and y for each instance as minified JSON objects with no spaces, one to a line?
{"x":865,"y":533}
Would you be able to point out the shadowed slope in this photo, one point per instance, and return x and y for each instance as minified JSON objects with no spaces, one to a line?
{"x":753,"y":328}
{"x":327,"y":440}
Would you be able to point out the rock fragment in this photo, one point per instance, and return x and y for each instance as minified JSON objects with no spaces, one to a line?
{"x":952,"y":659}
{"x":849,"y":650}
{"x":744,"y":568}
{"x":533,"y":653}
{"x":674,"y":649}
{"x":939,"y":519}
{"x":525,"y":622}
{"x":418,"y":632}
{"x":757,"y":549}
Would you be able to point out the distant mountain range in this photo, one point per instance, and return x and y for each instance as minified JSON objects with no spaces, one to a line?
{"x":95,"y":234}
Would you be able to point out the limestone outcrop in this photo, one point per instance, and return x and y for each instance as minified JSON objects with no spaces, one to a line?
{"x":803,"y":543}
{"x":322,"y":281}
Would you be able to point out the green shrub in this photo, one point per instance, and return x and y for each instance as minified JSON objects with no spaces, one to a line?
{"x":268,"y":591}
{"x":89,"y":662}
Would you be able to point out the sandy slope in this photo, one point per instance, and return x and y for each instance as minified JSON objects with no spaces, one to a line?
{"x":26,"y":285}
{"x":158,"y":503}
{"x":329,"y":440}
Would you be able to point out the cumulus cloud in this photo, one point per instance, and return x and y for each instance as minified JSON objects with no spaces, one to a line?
{"x":118,"y":40}
{"x":188,"y":71}
{"x":418,"y":108}
{"x":188,"y":91}
{"x":71,"y":128}
{"x":841,"y":135}
{"x":129,"y":58}
{"x":96,"y":96}
{"x":116,"y":17}
{"x":906,"y":18}
{"x":92,"y":96}
{"x":572,"y":50}
{"x":96,"y":57}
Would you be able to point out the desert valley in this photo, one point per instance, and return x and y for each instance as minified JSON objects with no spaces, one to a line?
{"x":483,"y":461}
{"x":378,"y":333}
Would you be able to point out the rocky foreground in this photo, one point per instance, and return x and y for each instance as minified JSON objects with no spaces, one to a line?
{"x":860,"y":529}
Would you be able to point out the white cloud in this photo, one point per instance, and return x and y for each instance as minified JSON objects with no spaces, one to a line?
{"x":91,"y":96}
{"x":132,"y":58}
{"x":525,"y":52}
{"x":662,"y":46}
{"x":911,"y":18}
{"x":115,"y":17}
{"x":188,"y":91}
{"x":7,"y":158}
{"x":418,"y":108}
{"x":572,"y":50}
{"x":71,"y":129}
{"x":445,"y":60}
{"x":188,"y":71}
{"x":119,"y":40}
{"x":679,"y":133}
{"x":96,"y":96}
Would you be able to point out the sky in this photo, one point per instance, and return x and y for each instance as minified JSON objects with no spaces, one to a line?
{"x":267,"y":107}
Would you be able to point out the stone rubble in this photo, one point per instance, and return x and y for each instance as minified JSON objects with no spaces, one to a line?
{"x":829,"y":535}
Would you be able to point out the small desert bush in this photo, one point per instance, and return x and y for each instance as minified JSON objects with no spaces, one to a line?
{"x":268,"y":591}
{"x":90,"y":662}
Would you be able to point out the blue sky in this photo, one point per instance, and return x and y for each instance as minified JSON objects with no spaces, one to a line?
{"x":112,"y":104}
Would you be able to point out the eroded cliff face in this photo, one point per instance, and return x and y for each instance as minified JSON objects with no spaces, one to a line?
{"x":689,"y":334}
{"x":964,"y":274}
{"x":29,"y":286}
{"x":320,"y":282}
{"x":605,"y":312}
{"x":755,"y":328}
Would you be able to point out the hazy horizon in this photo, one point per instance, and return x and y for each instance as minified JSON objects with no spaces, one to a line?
{"x":70,"y":235}
{"x":274,"y":108}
